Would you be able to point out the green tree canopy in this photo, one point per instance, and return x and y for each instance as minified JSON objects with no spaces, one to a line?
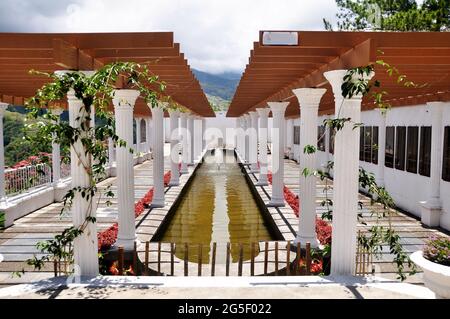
{"x":392,"y":15}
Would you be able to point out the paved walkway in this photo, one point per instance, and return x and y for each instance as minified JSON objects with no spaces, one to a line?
{"x":413,"y":234}
{"x":18,"y":242}
{"x":185,"y":288}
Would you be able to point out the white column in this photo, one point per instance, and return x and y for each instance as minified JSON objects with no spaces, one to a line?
{"x":381,"y":147}
{"x":184,"y":143}
{"x":290,"y":137}
{"x":262,"y":156}
{"x":174,"y":150}
{"x":236,"y":136}
{"x":197,"y":138}
{"x":327,"y":147}
{"x":309,"y":100}
{"x":147,"y":134}
{"x":138,"y":136}
{"x":253,"y":138}
{"x":124,"y":101}
{"x":56,"y":155}
{"x":111,"y":153}
{"x":278,"y":139}
{"x":432,"y":208}
{"x":203,"y":134}
{"x":346,"y":172}
{"x":85,"y":247}
{"x":158,"y":154}
{"x":190,"y":148}
{"x":3,"y":107}
{"x":243,"y":138}
{"x":247,"y":125}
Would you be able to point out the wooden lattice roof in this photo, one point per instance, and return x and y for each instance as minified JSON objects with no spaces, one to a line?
{"x":274,"y":70}
{"x":47,"y":52}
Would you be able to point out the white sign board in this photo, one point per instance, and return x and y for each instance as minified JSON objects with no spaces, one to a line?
{"x":279,"y":38}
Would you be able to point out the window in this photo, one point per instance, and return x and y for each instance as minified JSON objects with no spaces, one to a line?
{"x":425,"y":151}
{"x":332,"y":135}
{"x":400,"y":148}
{"x":297,"y":135}
{"x":143,"y":131}
{"x":134,"y":131}
{"x":375,"y":144}
{"x":321,"y":138}
{"x":368,"y":144}
{"x":361,"y":143}
{"x":390,"y":143}
{"x":446,"y":157}
{"x":412,"y":149}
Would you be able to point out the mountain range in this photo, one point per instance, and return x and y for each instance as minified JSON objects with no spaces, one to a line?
{"x":219,"y":88}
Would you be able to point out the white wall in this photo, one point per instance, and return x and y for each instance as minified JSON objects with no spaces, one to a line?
{"x":407,"y":189}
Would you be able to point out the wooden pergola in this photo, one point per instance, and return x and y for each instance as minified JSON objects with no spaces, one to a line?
{"x":48,"y":52}
{"x":274,"y":70}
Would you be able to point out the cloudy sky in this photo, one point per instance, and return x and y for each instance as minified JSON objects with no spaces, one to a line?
{"x":216,"y":36}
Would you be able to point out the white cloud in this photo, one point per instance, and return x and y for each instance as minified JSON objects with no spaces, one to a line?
{"x":216,"y":36}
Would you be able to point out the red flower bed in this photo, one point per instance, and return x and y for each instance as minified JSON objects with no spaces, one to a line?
{"x":323,"y":229}
{"x":108,"y":237}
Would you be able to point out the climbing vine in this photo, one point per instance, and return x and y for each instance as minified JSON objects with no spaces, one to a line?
{"x":86,"y":140}
{"x":356,"y":82}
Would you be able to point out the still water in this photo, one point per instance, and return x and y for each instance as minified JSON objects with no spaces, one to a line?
{"x":217,"y":207}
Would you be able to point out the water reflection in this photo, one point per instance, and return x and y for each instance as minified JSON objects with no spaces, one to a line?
{"x":217,"y":207}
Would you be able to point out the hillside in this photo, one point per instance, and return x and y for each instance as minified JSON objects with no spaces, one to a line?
{"x":218,"y":85}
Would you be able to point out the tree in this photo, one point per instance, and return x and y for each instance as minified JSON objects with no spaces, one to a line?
{"x":392,"y":15}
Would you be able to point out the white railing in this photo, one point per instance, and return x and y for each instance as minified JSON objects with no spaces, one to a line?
{"x":18,"y":180}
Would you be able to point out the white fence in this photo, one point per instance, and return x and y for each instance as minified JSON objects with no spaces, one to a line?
{"x":22,"y":179}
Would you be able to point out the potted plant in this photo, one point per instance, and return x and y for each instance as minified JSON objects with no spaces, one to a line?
{"x":435,"y":262}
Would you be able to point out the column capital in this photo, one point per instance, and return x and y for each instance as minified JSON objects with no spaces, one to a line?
{"x":183,"y":115}
{"x":336,"y":78}
{"x":278,"y":108}
{"x":253,"y":114}
{"x":263,"y":112}
{"x":3,"y":107}
{"x":125,"y":98}
{"x":309,"y":97}
{"x":163,"y":105}
{"x":158,"y":110}
{"x":174,"y":112}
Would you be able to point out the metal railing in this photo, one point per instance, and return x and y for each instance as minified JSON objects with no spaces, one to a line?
{"x":18,"y":180}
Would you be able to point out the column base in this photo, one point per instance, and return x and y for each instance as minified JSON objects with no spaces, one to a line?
{"x":276,"y":203}
{"x":126,"y":243}
{"x":262,"y":182}
{"x":60,"y":190}
{"x":431,"y":213}
{"x":174,"y":183}
{"x":9,"y":211}
{"x":312,"y":240}
{"x":157,"y":203}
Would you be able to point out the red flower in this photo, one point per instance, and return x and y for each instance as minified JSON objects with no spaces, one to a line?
{"x":108,"y":237}
{"x":113,"y":269}
{"x":323,"y":229}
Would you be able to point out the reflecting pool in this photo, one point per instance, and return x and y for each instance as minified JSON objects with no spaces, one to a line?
{"x":217,"y":207}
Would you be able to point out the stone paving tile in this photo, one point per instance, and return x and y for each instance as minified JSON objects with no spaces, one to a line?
{"x":17,"y":243}
{"x":412,"y":233}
